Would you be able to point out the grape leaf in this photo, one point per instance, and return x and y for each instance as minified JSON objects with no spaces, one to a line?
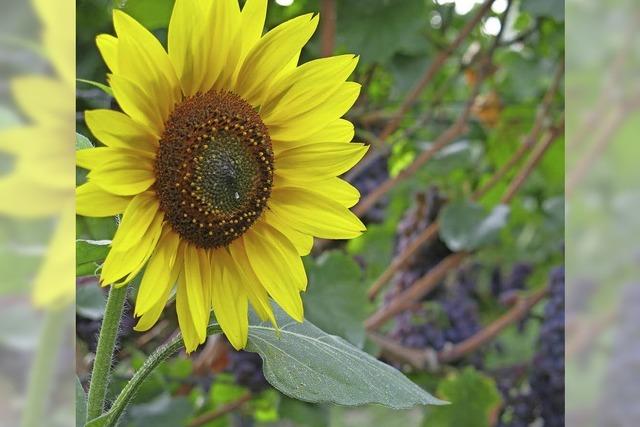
{"x":473,"y":397}
{"x":465,"y":225}
{"x":308,"y":364}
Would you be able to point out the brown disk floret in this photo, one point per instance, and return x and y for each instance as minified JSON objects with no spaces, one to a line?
{"x":214,"y":168}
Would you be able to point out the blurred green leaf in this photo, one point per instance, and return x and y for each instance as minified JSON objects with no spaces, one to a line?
{"x":153,"y":14}
{"x":377,"y":29}
{"x":465,"y":225}
{"x":303,"y":414}
{"x":335,"y":300}
{"x":551,"y":8}
{"x":306,"y":363}
{"x":473,"y":396}
{"x":81,"y":404}
{"x":82,"y":142}
{"x":90,"y":301}
{"x":164,"y":411}
{"x":89,"y":255}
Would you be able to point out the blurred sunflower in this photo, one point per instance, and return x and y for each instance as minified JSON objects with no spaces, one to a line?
{"x":41,"y":182}
{"x":224,"y":163}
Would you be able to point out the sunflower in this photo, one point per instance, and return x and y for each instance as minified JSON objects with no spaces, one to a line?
{"x":224,"y":163}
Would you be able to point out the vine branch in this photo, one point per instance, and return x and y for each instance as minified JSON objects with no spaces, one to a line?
{"x":431,"y":231}
{"x":430,"y":359}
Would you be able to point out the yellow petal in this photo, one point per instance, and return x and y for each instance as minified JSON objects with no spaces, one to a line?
{"x":42,"y":100}
{"x":273,"y":52}
{"x":186,"y":44}
{"x":199,"y":308}
{"x":335,"y":189}
{"x":92,"y":158}
{"x":108,"y":47}
{"x":142,"y":59}
{"x":124,"y":176}
{"x":255,"y":291}
{"x":138,"y":104}
{"x":136,"y":220}
{"x":320,"y":161}
{"x":115,"y":129}
{"x":252,"y":18}
{"x":54,"y":282}
{"x":188,"y":329}
{"x":311,"y":213}
{"x":220,"y":32}
{"x":340,"y":130}
{"x":230,"y":302}
{"x":277,"y":265}
{"x":93,"y":201}
{"x":305,"y":88}
{"x":305,"y":125}
{"x":120,"y":267}
{"x":160,"y":275}
{"x":302,"y":242}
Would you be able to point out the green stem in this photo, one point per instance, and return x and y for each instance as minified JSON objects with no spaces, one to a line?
{"x":157,"y":357}
{"x":104,"y":351}
{"x":43,"y":368}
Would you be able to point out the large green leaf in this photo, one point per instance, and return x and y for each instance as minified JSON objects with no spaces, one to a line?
{"x":308,"y":364}
{"x":336,"y":299}
{"x":473,"y":397}
{"x":465,"y":225}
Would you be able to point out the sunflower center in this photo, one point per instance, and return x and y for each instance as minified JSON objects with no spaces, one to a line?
{"x":214,"y":168}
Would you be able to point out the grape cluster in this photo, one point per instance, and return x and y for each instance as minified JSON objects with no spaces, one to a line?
{"x":540,"y":397}
{"x":367,"y":181}
{"x":547,"y":374}
{"x":247,"y":370}
{"x":450,"y":315}
{"x":617,"y":406}
{"x":502,"y":286}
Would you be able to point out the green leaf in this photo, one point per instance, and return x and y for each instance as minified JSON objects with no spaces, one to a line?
{"x":82,"y":142}
{"x":308,"y":364}
{"x":303,"y":414}
{"x":153,"y":14}
{"x":377,"y":29}
{"x":163,"y":411}
{"x":106,"y":89}
{"x":551,"y":8}
{"x":89,"y":255}
{"x":465,"y":225}
{"x":473,"y":397}
{"x":336,"y":299}
{"x":90,"y":301}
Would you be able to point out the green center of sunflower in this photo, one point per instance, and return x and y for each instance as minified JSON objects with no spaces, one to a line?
{"x":214,"y":168}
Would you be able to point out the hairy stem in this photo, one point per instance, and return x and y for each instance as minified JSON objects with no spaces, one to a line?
{"x":156,"y":358}
{"x":104,"y":351}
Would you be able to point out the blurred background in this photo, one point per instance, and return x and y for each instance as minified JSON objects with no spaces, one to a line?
{"x":459,"y":280}
{"x":36,"y":213}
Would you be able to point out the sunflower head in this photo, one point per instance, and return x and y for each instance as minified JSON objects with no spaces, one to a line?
{"x":224,"y":163}
{"x":214,"y":168}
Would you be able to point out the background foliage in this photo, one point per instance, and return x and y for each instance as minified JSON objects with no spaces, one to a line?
{"x":507,"y":250}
